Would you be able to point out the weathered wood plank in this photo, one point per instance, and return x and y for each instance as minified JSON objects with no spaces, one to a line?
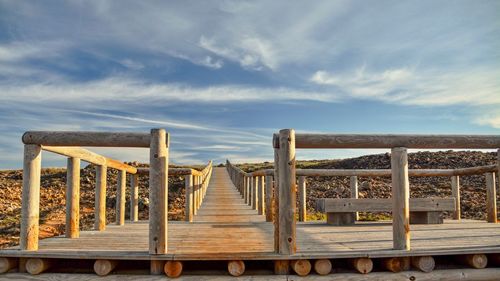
{"x":346,"y":205}
{"x":91,"y":157}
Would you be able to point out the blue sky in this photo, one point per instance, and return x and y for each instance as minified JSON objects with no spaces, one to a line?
{"x":222,"y":76}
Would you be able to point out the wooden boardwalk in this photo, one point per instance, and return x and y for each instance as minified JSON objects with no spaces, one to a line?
{"x":223,"y":203}
{"x":226,"y":228}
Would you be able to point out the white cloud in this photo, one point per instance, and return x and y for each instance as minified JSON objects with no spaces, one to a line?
{"x":411,"y":87}
{"x":250,"y":52}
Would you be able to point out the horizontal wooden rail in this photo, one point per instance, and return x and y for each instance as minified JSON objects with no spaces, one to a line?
{"x":72,"y":138}
{"x":173,"y":171}
{"x":91,"y":157}
{"x":390,"y":141}
{"x":384,"y":172}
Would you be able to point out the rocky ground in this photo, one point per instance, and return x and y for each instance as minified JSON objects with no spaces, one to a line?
{"x":53,"y":182}
{"x":473,"y":192}
{"x":53,"y":201}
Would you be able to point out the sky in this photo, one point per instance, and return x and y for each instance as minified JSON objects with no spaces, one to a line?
{"x":222,"y":76}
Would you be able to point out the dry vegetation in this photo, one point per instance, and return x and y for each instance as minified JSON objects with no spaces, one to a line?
{"x":53,"y":182}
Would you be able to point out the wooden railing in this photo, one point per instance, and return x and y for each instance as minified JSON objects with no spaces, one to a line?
{"x":196,"y":183}
{"x":302,"y":174}
{"x":286,"y":142}
{"x":68,"y":144}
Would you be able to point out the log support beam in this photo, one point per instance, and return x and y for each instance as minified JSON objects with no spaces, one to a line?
{"x":269,"y":198}
{"x":100,"y":198}
{"x":455,"y":192}
{"x":158,"y":192}
{"x":287,"y":193}
{"x":400,"y":199}
{"x":73,"y":198}
{"x":134,"y":198}
{"x":302,"y":198}
{"x":491,"y":198}
{"x":30,"y":210}
{"x":120,"y":197}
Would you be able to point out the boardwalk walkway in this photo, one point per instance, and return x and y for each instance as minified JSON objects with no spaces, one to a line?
{"x":226,"y":228}
{"x":223,"y":203}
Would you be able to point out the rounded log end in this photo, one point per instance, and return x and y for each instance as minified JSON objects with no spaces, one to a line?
{"x":173,"y":269}
{"x":477,"y":261}
{"x":26,"y":138}
{"x":323,"y":267}
{"x":36,"y":266}
{"x":363,"y":265}
{"x":104,"y":267}
{"x":236,"y":268}
{"x":393,"y":264}
{"x":7,"y":264}
{"x":425,"y":264}
{"x":301,"y":267}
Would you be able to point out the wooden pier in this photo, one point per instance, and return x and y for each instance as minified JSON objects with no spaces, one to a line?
{"x":236,"y":217}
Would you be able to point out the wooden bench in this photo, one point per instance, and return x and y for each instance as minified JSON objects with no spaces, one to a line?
{"x":342,"y":211}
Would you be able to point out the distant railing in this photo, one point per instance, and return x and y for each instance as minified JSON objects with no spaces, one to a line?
{"x":285,"y":174}
{"x":196,"y":183}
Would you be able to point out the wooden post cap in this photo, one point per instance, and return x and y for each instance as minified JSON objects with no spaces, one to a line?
{"x":236,"y":268}
{"x":323,"y":267}
{"x":301,"y":267}
{"x":173,"y":269}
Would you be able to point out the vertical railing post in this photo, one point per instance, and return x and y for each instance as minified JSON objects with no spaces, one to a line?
{"x":134,"y":197}
{"x":188,"y":183}
{"x":195,"y":184}
{"x":255,"y":195}
{"x":302,"y":198}
{"x":247,"y":182}
{"x":287,"y":193}
{"x":269,"y":198}
{"x":198,"y":191}
{"x":261,"y":193}
{"x":353,"y":184}
{"x":455,"y":192}
{"x":120,"y":197}
{"x":100,"y":197}
{"x":158,"y":192}
{"x":73,"y":198}
{"x":275,"y":201}
{"x":30,"y":209}
{"x":491,"y":198}
{"x":400,"y":199}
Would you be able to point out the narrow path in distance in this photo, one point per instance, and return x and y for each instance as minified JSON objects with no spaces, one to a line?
{"x":223,"y":203}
